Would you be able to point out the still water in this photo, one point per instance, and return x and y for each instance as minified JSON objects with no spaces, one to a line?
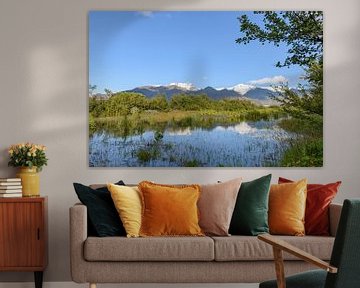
{"x":245,"y":144}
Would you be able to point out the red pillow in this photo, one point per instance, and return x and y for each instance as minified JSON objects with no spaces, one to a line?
{"x":319,"y":197}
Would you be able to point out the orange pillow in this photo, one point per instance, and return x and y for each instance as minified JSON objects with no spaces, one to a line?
{"x":169,"y":210}
{"x":287,"y":204}
{"x":318,"y":200}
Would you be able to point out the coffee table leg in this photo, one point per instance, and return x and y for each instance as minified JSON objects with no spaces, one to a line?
{"x":38,"y":279}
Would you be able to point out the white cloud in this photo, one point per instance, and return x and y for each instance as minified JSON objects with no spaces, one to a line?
{"x":269,"y":80}
{"x":148,"y":14}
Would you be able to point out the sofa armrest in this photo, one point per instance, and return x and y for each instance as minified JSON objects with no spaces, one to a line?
{"x":78,"y":235}
{"x":334,"y":216}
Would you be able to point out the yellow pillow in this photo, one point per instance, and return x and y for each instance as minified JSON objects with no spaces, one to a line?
{"x":287,"y":204}
{"x":169,"y":210}
{"x":127,"y":201}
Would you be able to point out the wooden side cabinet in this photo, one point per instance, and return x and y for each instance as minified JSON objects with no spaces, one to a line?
{"x":23,"y":235}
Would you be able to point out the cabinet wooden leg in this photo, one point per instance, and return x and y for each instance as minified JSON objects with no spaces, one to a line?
{"x":92,"y":285}
{"x":38,"y":279}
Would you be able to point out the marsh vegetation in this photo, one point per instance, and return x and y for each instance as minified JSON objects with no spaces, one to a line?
{"x":237,"y":133}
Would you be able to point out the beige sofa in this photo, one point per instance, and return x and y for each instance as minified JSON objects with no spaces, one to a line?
{"x":234,"y":259}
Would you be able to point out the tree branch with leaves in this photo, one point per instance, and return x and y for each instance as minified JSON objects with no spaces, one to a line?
{"x":300,"y":31}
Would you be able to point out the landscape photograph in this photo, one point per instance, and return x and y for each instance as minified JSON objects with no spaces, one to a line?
{"x":205,"y":89}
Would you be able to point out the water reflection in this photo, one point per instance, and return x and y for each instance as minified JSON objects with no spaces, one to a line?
{"x":247,"y":144}
{"x":180,"y":132}
{"x":241,"y":128}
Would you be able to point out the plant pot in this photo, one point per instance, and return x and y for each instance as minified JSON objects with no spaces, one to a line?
{"x":30,"y":181}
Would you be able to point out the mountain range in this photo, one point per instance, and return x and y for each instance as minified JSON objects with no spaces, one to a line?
{"x":260,"y":95}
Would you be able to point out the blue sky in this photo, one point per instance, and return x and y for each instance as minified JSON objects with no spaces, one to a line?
{"x":128,"y":49}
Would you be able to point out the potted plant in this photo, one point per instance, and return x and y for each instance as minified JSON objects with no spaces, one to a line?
{"x":30,"y":158}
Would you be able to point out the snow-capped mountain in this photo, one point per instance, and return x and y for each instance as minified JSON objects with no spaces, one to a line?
{"x":184,"y":86}
{"x":243,"y":88}
{"x":246,"y":91}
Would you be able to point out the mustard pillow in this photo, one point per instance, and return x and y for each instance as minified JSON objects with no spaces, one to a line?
{"x":169,"y":210}
{"x":127,"y":201}
{"x":287,"y":204}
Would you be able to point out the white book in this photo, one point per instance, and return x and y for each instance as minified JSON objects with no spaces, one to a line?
{"x":10,"y":190}
{"x":10,"y":180}
{"x":10,"y":195}
{"x":10,"y":187}
{"x":10,"y":183}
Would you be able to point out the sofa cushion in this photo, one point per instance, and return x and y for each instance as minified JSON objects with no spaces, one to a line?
{"x":244,"y":248}
{"x":127,"y":201}
{"x":250,"y":215}
{"x":149,"y":249}
{"x":318,"y":199}
{"x":102,"y":216}
{"x":216,"y":205}
{"x":169,"y":210}
{"x":287,"y":204}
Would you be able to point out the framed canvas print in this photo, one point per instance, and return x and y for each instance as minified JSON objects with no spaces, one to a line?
{"x":205,"y":88}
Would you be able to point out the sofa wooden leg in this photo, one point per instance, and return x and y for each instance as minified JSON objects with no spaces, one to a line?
{"x":92,"y":285}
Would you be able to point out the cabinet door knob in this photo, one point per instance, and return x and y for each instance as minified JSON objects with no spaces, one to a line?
{"x":38,"y":234}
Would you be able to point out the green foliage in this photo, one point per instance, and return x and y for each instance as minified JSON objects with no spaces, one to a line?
{"x":118,"y":104}
{"x":27,"y":155}
{"x":302,"y":126}
{"x":309,"y":103}
{"x":153,"y":149}
{"x":91,"y":88}
{"x":304,"y":153}
{"x":159,"y":103}
{"x":128,"y":103}
{"x":144,"y":155}
{"x":306,"y":149}
{"x":300,"y":31}
{"x":97,"y":107}
{"x":190,"y":102}
{"x":136,"y":124}
{"x":192,"y":163}
{"x":121,"y":103}
{"x":108,"y":92}
{"x":92,"y":124}
{"x":158,"y":136}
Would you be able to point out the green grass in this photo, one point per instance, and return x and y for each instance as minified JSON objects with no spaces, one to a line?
{"x":305,"y":127}
{"x":192,"y":163}
{"x":304,"y":153}
{"x":307,"y":149}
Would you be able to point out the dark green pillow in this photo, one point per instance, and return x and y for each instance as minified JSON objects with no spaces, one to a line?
{"x":103,"y":218}
{"x":250,"y":216}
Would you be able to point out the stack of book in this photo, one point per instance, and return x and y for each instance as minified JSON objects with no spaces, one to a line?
{"x":10,"y":187}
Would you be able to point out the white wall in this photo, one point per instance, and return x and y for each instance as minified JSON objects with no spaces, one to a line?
{"x":43,"y":90}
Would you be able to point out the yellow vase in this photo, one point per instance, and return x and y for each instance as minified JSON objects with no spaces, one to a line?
{"x":30,"y":181}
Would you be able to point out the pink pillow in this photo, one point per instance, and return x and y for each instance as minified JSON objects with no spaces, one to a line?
{"x":216,"y":205}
